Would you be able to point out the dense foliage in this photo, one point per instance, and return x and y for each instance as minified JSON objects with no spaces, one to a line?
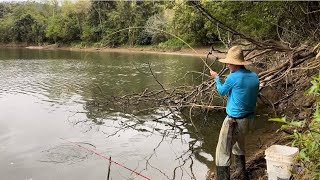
{"x":115,"y":23}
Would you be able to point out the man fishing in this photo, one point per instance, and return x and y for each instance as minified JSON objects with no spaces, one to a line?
{"x":242,"y":88}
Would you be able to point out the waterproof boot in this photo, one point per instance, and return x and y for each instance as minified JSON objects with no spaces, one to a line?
{"x":240,"y":162}
{"x":223,"y":173}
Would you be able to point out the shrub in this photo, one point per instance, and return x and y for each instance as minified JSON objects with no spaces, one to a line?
{"x":172,"y":44}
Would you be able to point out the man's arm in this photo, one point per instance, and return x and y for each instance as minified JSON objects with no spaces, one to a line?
{"x":223,"y":89}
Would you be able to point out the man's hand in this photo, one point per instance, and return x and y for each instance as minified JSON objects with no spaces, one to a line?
{"x":214,"y":74}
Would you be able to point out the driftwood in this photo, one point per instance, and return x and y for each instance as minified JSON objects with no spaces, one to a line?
{"x":204,"y":96}
{"x":277,"y":62}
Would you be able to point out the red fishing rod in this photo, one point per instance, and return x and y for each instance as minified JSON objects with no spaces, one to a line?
{"x":107,"y":158}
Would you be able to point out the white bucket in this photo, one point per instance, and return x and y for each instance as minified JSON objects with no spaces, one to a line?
{"x":280,"y":161}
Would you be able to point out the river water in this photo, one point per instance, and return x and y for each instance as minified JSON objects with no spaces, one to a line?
{"x":46,"y":99}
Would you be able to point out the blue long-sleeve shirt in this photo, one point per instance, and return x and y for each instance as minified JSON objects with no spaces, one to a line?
{"x":242,"y":88}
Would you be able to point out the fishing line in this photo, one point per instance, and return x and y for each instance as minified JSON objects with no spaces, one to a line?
{"x":107,"y":158}
{"x":142,"y":27}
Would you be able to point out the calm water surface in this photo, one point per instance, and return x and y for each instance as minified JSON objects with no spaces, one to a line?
{"x":47,"y":96}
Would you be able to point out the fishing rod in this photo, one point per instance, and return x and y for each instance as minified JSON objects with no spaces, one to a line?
{"x":143,"y":27}
{"x":107,"y":158}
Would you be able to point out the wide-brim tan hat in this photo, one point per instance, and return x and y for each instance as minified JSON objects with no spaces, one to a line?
{"x":235,"y":56}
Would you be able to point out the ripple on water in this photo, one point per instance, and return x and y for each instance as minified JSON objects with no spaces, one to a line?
{"x":67,"y":153}
{"x":47,"y":81}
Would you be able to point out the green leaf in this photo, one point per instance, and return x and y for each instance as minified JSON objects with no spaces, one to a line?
{"x":313,"y":145}
{"x":317,"y":79}
{"x":314,"y":88}
{"x":286,"y":126}
{"x":282,"y":120}
{"x":303,"y":154}
{"x":317,"y":114}
{"x":296,"y":123}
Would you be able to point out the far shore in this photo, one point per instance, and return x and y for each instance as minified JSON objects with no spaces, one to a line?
{"x":199,"y":51}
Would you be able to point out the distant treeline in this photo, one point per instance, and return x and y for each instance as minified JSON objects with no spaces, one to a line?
{"x":116,"y":23}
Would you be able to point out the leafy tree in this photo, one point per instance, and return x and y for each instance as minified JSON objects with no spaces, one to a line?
{"x":23,"y":29}
{"x":75,"y":15}
{"x":96,"y":19}
{"x":55,"y":27}
{"x":3,"y":10}
{"x":114,"y":23}
{"x":157,"y":21}
{"x":6,"y":24}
